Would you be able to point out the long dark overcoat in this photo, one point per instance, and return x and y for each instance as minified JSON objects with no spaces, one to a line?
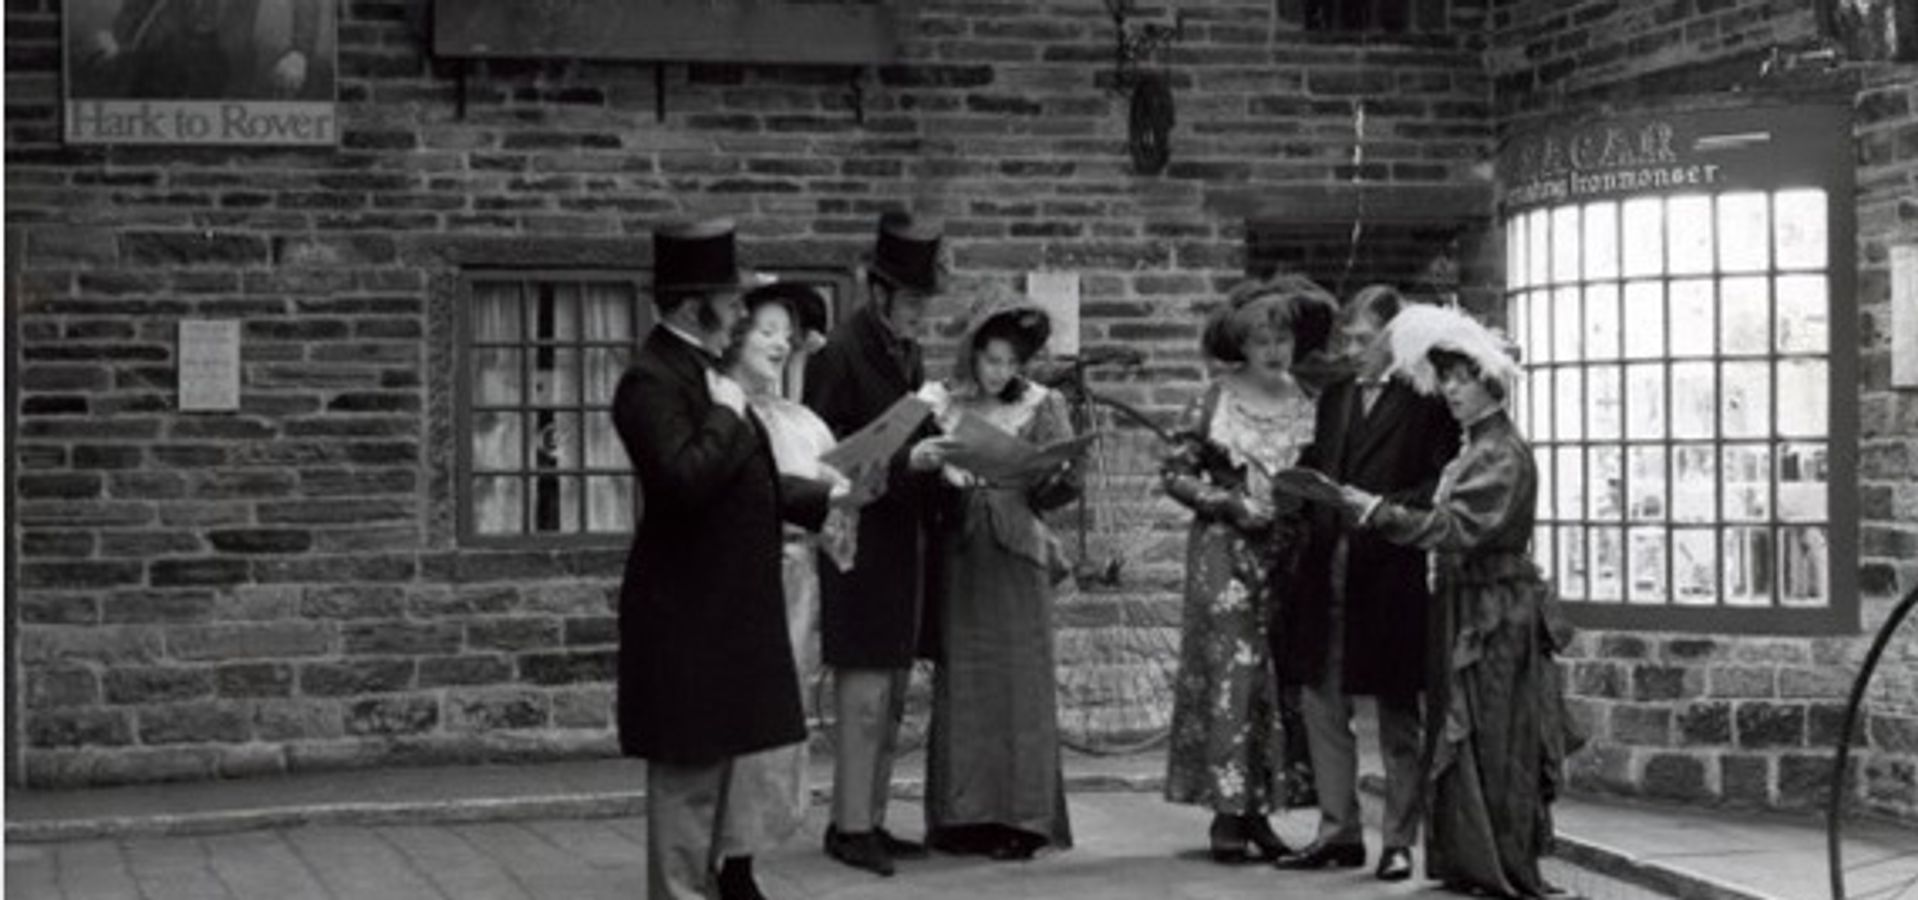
{"x":1397,"y":451}
{"x":705,"y":664}
{"x":870,"y":617}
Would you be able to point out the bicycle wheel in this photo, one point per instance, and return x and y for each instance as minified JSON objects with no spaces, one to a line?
{"x":1118,"y":617}
{"x":1871,"y":841}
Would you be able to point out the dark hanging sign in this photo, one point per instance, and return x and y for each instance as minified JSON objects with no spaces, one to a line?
{"x":200,"y":72}
{"x":1672,"y":151}
{"x":819,"y":32}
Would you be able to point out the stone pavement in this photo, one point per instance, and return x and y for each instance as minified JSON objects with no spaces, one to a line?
{"x":1131,"y":845}
{"x":572,"y":829}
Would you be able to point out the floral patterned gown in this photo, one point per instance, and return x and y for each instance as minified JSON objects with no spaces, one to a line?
{"x":1226,"y":749}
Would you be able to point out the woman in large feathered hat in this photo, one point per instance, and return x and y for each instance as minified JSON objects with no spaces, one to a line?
{"x":1492,"y":779}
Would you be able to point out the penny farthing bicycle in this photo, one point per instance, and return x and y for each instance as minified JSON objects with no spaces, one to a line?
{"x":1871,"y":840}
{"x":1118,"y":618}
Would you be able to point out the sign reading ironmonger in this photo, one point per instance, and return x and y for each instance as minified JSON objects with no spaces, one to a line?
{"x":1609,"y":157}
{"x":201,"y":71}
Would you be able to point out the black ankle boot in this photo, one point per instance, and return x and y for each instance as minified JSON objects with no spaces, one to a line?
{"x":1227,"y":840}
{"x":736,"y":880}
{"x":1258,"y":830}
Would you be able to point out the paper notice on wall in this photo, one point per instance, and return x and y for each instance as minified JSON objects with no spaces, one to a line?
{"x":1904,"y":315}
{"x":209,"y":372}
{"x":1058,"y":294}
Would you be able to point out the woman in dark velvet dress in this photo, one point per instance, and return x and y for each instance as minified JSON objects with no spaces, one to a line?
{"x":1496,"y":759}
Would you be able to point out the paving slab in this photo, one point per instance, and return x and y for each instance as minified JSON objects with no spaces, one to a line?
{"x":1721,"y":855}
{"x":100,"y":840}
{"x":1130,"y":845}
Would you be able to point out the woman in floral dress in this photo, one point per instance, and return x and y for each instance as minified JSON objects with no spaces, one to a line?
{"x":1227,"y":750}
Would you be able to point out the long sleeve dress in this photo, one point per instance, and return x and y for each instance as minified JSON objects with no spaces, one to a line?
{"x":1496,"y":761}
{"x":1226,"y":751}
{"x":769,"y":794}
{"x":993,"y":754}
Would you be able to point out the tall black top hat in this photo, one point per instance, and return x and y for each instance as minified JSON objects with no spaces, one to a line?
{"x":696,"y":257}
{"x":906,"y":252}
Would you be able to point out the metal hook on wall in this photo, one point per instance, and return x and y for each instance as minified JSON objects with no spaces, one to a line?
{"x":1133,"y":48}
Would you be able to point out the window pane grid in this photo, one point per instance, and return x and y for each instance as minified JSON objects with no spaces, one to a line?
{"x":546,"y":344}
{"x":1715,"y":401}
{"x":541,"y":354}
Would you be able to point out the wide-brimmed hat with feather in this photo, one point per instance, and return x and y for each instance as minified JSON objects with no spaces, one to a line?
{"x":1420,"y":328}
{"x":999,"y":313}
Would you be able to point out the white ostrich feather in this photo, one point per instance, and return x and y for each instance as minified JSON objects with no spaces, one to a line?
{"x":1420,"y":328}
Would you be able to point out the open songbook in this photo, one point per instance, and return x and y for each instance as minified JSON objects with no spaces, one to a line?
{"x":1307,"y":484}
{"x":995,"y":455}
{"x":876,"y":443}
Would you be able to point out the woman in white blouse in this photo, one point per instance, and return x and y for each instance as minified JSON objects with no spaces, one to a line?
{"x":768,"y":796}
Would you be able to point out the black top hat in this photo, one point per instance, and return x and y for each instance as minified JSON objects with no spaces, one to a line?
{"x":804,"y":303}
{"x":906,"y":252}
{"x":695,"y":257}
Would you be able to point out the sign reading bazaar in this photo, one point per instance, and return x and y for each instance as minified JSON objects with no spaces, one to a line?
{"x":1612,"y":156}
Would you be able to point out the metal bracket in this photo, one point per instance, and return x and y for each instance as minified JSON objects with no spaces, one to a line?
{"x":858,"y":86}
{"x":659,"y":92}
{"x":1133,"y":48}
{"x":459,"y":90}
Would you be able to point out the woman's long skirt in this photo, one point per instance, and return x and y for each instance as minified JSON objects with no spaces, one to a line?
{"x":1227,"y":753}
{"x":769,"y":795}
{"x":993,"y":756}
{"x":1498,"y":755}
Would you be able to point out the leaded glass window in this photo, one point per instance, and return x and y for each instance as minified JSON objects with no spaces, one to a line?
{"x":1677,"y":391}
{"x":541,"y":354}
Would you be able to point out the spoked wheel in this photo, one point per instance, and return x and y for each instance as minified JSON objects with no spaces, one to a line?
{"x":1870,"y":839}
{"x":1118,"y":617}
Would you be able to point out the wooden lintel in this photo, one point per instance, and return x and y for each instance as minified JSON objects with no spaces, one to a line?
{"x":1302,"y":203}
{"x":728,"y":31}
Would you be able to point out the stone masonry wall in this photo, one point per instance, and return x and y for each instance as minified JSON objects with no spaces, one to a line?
{"x":281,"y":588}
{"x":1718,"y":718}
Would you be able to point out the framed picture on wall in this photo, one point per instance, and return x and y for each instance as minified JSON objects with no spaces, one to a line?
{"x":233,"y":72}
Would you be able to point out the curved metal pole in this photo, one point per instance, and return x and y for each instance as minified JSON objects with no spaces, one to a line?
{"x":1841,"y":763}
{"x":1131,"y":413}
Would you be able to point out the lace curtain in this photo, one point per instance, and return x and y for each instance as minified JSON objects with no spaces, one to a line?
{"x":545,"y":359}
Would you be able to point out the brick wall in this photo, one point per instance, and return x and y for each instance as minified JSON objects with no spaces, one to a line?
{"x":1715,"y":718}
{"x":280,"y":588}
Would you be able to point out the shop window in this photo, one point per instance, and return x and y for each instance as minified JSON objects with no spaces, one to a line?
{"x":1689,"y":362}
{"x":540,"y":356}
{"x":1678,"y":389}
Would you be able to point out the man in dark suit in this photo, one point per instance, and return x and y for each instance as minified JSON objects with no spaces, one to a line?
{"x":1354,"y":618}
{"x":871,"y":616}
{"x":706,"y":670}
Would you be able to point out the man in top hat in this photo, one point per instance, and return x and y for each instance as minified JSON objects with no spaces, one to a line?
{"x":871,"y":615}
{"x":706,"y":670}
